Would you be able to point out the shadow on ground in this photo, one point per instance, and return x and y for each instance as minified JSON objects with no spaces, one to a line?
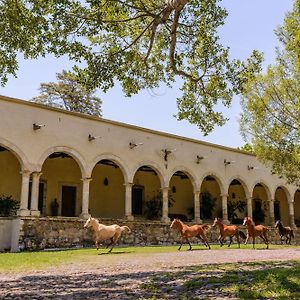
{"x":245,"y":281}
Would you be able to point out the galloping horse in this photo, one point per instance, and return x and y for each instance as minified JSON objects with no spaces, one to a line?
{"x":228,"y":231}
{"x":285,"y":232}
{"x":254,"y":231}
{"x":190,"y":231}
{"x":104,"y":232}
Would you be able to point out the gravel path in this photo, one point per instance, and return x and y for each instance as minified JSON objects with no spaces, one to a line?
{"x":125,"y":276}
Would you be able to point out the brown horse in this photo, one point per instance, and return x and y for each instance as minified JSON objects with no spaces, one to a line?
{"x":254,"y":231}
{"x":228,"y":231}
{"x":285,"y":232}
{"x":104,"y":232}
{"x":190,"y":231}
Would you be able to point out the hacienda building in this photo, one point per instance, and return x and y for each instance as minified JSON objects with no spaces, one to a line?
{"x":64,"y":167}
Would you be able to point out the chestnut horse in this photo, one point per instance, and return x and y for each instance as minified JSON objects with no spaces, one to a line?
{"x":255,"y":230}
{"x":228,"y":231}
{"x":286,"y":232}
{"x":104,"y":232}
{"x":190,"y":231}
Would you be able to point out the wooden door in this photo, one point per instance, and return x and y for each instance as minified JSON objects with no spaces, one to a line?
{"x":68,"y":201}
{"x":137,"y":200}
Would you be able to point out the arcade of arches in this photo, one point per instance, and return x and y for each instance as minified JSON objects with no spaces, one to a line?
{"x":60,"y":189}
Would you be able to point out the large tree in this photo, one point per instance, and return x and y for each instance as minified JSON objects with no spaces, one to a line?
{"x":271,"y":104}
{"x":138,"y":43}
{"x":67,"y":93}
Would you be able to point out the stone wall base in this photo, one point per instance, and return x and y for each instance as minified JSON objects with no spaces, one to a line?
{"x":47,"y":233}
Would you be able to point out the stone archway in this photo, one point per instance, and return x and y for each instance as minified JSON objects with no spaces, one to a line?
{"x":237,"y":202}
{"x":181,"y":197}
{"x":147,"y":195}
{"x":210,"y":200}
{"x":297,"y":208}
{"x":281,"y":206}
{"x":107,"y":190}
{"x":10,"y":174}
{"x":260,"y":204}
{"x":62,"y":177}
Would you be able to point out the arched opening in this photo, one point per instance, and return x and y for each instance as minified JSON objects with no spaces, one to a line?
{"x":210,"y":201}
{"x":297,"y":208}
{"x":146,"y":194}
{"x":260,"y":205}
{"x":281,"y":207}
{"x":237,"y":202}
{"x":62,"y":186}
{"x":107,"y":191}
{"x":181,"y":197}
{"x":10,"y":179}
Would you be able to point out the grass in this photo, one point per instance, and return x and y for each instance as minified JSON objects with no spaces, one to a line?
{"x":28,"y":261}
{"x":261,"y":280}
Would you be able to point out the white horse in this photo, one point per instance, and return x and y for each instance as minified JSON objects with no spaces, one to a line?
{"x":104,"y":232}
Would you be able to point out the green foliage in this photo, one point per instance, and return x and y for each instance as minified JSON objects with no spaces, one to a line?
{"x":152,"y":208}
{"x":207,"y":205}
{"x":233,"y":207}
{"x":69,"y":94}
{"x":271,"y":109}
{"x":139,"y":44}
{"x":247,"y":148}
{"x":8,"y":206}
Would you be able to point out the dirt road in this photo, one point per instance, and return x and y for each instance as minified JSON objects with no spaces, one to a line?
{"x":129,"y":276}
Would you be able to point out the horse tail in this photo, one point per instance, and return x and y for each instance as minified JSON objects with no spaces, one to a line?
{"x":242,"y":234}
{"x":125,"y":228}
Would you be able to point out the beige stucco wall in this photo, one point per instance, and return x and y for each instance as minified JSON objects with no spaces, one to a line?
{"x":183,"y":197}
{"x":10,"y":177}
{"x":56,"y":173}
{"x":107,"y":201}
{"x":68,"y":132}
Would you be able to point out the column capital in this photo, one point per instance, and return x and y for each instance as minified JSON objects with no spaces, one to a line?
{"x":37,"y":174}
{"x":224,"y":195}
{"x":25,"y":172}
{"x":197,"y":192}
{"x":128,"y":184}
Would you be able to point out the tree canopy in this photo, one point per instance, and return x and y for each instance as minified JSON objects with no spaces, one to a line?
{"x":271,"y":104}
{"x":138,"y":43}
{"x":69,"y":94}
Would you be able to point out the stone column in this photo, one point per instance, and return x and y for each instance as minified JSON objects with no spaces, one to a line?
{"x":128,"y":201}
{"x":271,"y":212}
{"x":34,"y":210}
{"x":249,"y":207}
{"x":292,"y":214}
{"x":165,"y":206}
{"x":24,"y":211}
{"x":85,"y":198}
{"x":224,"y":208}
{"x":197,"y":218}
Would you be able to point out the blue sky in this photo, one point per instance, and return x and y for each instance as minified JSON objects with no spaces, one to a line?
{"x":250,"y":25}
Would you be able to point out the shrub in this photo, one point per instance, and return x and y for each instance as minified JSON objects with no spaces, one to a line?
{"x":8,"y":206}
{"x":153,"y":207}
